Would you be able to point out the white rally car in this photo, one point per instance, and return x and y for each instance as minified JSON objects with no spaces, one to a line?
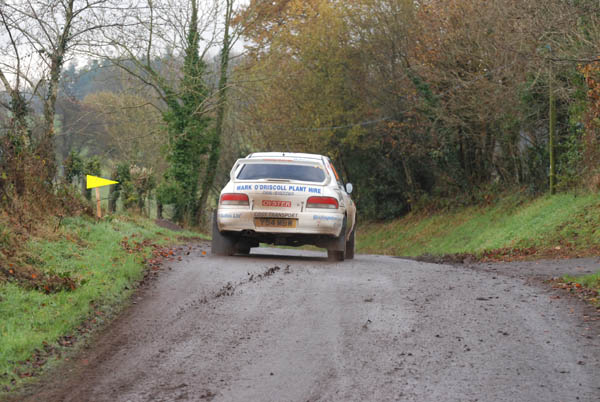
{"x":285,"y":199}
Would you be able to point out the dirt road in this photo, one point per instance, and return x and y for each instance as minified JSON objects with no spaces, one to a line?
{"x":290,"y":326}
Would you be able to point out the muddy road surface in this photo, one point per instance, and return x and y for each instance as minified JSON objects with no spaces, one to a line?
{"x":287,"y":325}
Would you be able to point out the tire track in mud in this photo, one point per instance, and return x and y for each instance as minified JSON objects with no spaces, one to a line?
{"x":230,"y":288}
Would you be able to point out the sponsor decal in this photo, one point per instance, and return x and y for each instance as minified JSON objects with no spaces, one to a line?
{"x":281,"y":193}
{"x":275,"y":215}
{"x":326,"y":218}
{"x":275,"y":203}
{"x":290,"y":188}
{"x":271,"y":187}
{"x":230,"y":215}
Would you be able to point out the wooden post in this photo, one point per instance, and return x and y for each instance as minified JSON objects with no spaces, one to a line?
{"x":98,"y":207}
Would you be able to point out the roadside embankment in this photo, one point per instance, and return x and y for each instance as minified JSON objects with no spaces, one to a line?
{"x":68,"y":280}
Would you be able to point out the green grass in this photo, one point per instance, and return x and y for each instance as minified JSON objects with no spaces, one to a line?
{"x":561,"y":220}
{"x":591,"y":281}
{"x":88,"y":252}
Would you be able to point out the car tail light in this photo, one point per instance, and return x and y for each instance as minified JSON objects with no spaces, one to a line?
{"x":322,"y":202}
{"x":234,"y":199}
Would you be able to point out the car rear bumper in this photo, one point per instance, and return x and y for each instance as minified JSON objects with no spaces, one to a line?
{"x":313,"y":222}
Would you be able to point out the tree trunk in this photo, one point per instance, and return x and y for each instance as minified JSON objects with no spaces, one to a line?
{"x":57,"y":59}
{"x":16,"y":147}
{"x":552,"y":130}
{"x":410,"y":182}
{"x":215,"y":144}
{"x":159,"y":210}
{"x":112,"y":199}
{"x":84,"y":191}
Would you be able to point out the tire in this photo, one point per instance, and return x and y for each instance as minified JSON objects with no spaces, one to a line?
{"x":221,"y":244}
{"x":350,"y":245}
{"x":243,"y":250}
{"x":337,"y":252}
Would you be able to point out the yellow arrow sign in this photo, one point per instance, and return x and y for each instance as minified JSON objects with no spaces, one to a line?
{"x":93,"y":182}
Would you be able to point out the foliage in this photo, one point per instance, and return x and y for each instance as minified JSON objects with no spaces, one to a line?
{"x":129,"y":128}
{"x":74,"y":169}
{"x":77,"y":167}
{"x":121,"y":175}
{"x":434,"y":98}
{"x":216,"y":136}
{"x":137,"y":188}
{"x":591,"y":122}
{"x":189,"y":133}
{"x":92,"y":167}
{"x":412,"y":99}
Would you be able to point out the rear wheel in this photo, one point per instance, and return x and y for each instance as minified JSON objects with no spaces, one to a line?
{"x":221,"y":244}
{"x":243,"y":250}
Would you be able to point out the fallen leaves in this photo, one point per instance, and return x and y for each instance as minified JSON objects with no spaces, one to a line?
{"x":507,"y":254}
{"x":30,"y":277}
{"x":577,"y":289}
{"x":135,"y":246}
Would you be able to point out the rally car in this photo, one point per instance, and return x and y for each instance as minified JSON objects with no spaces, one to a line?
{"x":288,"y":199}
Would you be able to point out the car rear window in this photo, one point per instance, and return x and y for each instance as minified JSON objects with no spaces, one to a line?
{"x":257,"y":171}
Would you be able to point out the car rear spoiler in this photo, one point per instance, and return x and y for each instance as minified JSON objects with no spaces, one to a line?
{"x":309,"y":162}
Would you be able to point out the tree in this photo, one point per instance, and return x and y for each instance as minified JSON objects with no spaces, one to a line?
{"x":188,"y":127}
{"x":321,"y":84}
{"x":443,"y":98}
{"x":151,"y":51}
{"x":127,"y":128}
{"x":304,"y":78}
{"x":42,"y":37}
{"x":215,"y":141}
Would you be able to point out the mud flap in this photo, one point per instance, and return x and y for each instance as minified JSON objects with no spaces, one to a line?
{"x":336,"y":250}
{"x":350,"y":245}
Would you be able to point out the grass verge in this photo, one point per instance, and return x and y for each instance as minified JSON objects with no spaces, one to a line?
{"x":586,"y":287}
{"x":563,"y":224}
{"x":102,"y":260}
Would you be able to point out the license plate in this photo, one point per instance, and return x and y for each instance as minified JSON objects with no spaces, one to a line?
{"x":275,"y":222}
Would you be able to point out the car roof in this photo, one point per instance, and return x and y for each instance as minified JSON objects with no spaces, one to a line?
{"x":285,"y":155}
